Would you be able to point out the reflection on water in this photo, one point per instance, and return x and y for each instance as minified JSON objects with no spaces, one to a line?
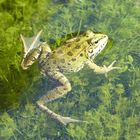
{"x":110,"y":104}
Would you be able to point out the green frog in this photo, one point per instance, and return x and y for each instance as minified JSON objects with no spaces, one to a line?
{"x":70,"y":57}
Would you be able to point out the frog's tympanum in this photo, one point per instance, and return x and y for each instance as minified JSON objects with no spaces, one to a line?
{"x":70,"y":57}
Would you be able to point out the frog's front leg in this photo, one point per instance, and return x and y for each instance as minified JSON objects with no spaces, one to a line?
{"x":101,"y":70}
{"x":54,"y":94}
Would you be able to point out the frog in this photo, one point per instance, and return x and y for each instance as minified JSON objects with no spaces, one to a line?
{"x":70,"y":57}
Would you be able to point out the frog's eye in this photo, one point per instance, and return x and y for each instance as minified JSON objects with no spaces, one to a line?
{"x":96,"y":41}
{"x":90,"y":50}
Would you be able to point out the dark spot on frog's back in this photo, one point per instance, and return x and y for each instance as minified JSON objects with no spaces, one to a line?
{"x":69,"y":53}
{"x":62,"y":60}
{"x":89,"y":41}
{"x":60,"y":51}
{"x":68,"y":45}
{"x":81,"y":54}
{"x":69,"y":63}
{"x":73,"y":59}
{"x":78,"y":39}
{"x":77,"y":47}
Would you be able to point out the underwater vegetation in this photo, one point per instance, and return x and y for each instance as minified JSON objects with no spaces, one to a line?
{"x":111,"y":104}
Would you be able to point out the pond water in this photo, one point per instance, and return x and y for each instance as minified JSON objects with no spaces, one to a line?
{"x":109,"y":103}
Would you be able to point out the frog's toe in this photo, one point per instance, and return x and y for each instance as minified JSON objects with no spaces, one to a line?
{"x":111,"y":65}
{"x":116,"y":67}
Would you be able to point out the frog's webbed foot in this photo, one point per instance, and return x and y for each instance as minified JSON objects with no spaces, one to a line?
{"x":66,"y":120}
{"x":31,"y":43}
{"x":110,"y":67}
{"x":61,"y":119}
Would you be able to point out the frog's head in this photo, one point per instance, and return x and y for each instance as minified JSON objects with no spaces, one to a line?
{"x":96,"y":43}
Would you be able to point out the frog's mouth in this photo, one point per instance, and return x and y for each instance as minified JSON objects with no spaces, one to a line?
{"x":99,"y":46}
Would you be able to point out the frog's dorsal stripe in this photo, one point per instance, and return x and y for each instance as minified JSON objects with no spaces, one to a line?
{"x":31,"y":43}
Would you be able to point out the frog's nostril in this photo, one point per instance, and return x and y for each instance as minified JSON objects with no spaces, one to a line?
{"x":106,"y":36}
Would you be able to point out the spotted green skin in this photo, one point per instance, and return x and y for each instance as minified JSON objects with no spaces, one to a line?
{"x":70,"y":56}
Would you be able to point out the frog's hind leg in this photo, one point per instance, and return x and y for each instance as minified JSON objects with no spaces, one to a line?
{"x":58,"y":92}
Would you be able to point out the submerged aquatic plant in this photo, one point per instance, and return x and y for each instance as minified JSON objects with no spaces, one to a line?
{"x":111,"y":105}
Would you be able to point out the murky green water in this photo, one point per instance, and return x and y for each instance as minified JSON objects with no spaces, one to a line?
{"x":111,"y":104}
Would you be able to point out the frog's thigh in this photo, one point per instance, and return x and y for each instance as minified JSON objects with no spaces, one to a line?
{"x":59,"y":91}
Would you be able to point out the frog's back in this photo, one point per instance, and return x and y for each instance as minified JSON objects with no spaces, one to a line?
{"x":69,"y":57}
